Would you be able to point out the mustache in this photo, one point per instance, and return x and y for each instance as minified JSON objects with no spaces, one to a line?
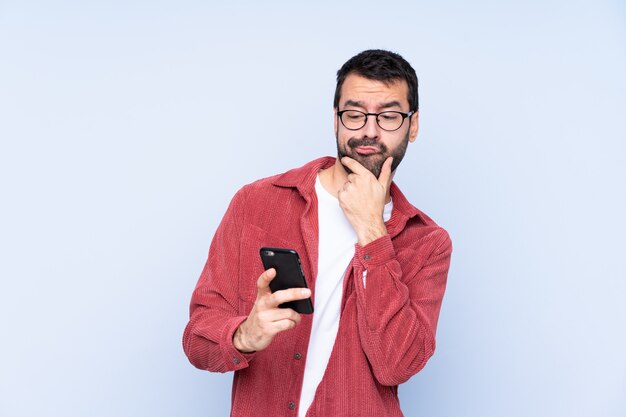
{"x":356,"y":142}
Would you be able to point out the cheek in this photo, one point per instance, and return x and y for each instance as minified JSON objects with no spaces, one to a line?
{"x":342,"y":138}
{"x":395,"y":141}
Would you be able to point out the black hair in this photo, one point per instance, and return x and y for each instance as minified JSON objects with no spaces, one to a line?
{"x":380,"y":65}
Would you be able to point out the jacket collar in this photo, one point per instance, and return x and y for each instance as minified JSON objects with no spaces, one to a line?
{"x":303,"y":179}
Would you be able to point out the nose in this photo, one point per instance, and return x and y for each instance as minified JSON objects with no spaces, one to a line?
{"x":371,"y":126}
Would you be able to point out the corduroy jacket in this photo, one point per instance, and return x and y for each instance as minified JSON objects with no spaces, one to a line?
{"x":387,"y":325}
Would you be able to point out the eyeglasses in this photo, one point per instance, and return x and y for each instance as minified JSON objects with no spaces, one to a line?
{"x":387,"y":120}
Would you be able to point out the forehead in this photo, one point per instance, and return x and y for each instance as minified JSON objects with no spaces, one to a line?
{"x":373,"y":92}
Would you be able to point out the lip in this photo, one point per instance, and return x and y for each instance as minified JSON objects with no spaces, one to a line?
{"x":366,"y":150}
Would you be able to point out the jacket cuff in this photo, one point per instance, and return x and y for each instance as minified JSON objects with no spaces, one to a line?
{"x":377,"y":252}
{"x":234,"y":359}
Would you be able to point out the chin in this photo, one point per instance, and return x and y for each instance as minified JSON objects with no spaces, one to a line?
{"x":373,"y":163}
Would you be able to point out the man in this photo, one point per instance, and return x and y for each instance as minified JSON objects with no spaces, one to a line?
{"x":376,"y":267}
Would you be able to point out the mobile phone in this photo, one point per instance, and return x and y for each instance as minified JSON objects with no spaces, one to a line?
{"x":289,"y":274}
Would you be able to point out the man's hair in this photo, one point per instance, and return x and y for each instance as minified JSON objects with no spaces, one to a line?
{"x":380,"y":65}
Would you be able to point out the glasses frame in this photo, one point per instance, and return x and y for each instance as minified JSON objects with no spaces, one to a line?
{"x":404,"y":116}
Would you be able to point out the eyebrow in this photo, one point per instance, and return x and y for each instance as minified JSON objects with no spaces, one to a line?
{"x":386,"y":105}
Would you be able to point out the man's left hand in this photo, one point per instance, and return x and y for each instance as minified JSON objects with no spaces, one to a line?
{"x":362,"y":199}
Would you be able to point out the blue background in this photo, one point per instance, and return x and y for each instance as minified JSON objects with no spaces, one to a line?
{"x":127,"y":126}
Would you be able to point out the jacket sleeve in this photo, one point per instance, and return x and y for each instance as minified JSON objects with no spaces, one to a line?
{"x":214,"y":311}
{"x":397,"y":314}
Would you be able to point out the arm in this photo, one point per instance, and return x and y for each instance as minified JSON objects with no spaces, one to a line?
{"x":219,"y":336}
{"x":397,"y":304}
{"x":398,"y":307}
{"x":214,"y":311}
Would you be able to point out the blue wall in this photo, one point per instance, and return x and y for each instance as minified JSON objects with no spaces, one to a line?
{"x":126,"y":126}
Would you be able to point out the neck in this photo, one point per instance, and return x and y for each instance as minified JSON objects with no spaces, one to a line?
{"x":333,"y":178}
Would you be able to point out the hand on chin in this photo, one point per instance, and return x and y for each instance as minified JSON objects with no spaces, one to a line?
{"x":372,"y":162}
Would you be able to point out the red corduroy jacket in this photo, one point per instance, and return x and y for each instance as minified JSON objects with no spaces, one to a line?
{"x":387,"y":327}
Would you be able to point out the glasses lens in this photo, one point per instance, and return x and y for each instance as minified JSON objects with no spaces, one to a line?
{"x":390,"y":120}
{"x":353,"y":119}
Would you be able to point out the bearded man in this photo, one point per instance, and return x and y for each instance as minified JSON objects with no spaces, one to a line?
{"x":375,"y":267}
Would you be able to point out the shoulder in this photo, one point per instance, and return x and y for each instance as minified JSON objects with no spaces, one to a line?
{"x":261,"y":185}
{"x":301,"y":179}
{"x":420,"y":229}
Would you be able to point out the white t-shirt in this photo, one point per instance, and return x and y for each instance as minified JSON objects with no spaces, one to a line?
{"x":336,"y":250}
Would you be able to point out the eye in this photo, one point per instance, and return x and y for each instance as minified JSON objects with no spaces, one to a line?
{"x":390,"y":116}
{"x":353,"y":115}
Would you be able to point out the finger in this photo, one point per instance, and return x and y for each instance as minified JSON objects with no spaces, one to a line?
{"x":282,"y":325}
{"x":385,"y":173}
{"x":263,"y":283}
{"x":278,"y":314}
{"x":340,"y":193}
{"x":290,"y":294}
{"x":354,"y":165}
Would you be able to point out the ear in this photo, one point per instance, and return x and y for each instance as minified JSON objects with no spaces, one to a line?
{"x":414,"y":127}
{"x":335,"y":120}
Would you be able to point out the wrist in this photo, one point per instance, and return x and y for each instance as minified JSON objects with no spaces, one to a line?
{"x":239,"y":340}
{"x":371,"y":232}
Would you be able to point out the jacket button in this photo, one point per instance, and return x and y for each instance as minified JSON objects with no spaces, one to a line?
{"x":236,"y":361}
{"x":292,"y":405}
{"x":367,"y":257}
{"x":297,"y":356}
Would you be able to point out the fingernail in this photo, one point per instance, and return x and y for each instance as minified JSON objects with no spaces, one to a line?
{"x":305,"y":291}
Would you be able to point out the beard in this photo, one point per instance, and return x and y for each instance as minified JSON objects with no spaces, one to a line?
{"x":374,"y":162}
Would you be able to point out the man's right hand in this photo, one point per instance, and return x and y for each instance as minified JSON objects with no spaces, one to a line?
{"x":266,"y":319}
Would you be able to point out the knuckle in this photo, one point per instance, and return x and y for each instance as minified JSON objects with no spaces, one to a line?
{"x":263,"y":320}
{"x":275,"y":298}
{"x":262,"y":306}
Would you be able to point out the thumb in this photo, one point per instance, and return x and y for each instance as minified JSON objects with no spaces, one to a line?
{"x":263,"y":283}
